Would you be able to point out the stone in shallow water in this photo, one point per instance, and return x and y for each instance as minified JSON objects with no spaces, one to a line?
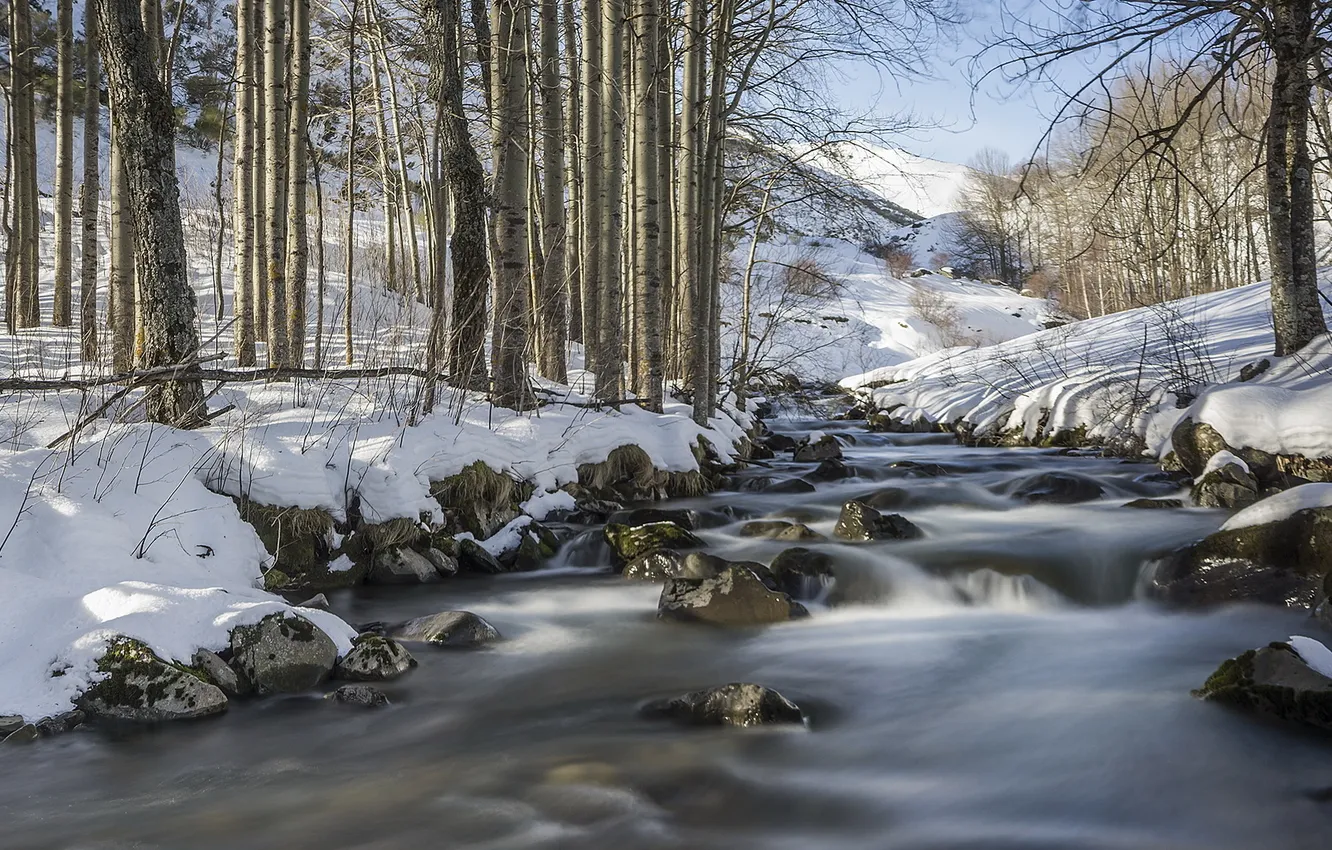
{"x":66,"y":721}
{"x":1057,"y":488}
{"x":1274,"y":681}
{"x":802,"y":573}
{"x":9,"y":724}
{"x":402,"y":566}
{"x":139,"y":686}
{"x":736,"y":704}
{"x":219,"y":673}
{"x":374,"y":659}
{"x":283,"y":653}
{"x":824,"y":448}
{"x":628,"y":542}
{"x":860,"y":523}
{"x":1155,"y":504}
{"x":450,"y":629}
{"x":777,"y":529}
{"x":735,"y":597}
{"x":25,"y":734}
{"x":362,"y":696}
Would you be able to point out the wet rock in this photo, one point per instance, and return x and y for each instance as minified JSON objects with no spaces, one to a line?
{"x":736,"y":704}
{"x":1273,"y":681}
{"x":635,"y":517}
{"x":780,"y":443}
{"x":1155,"y":504}
{"x":889,"y":498}
{"x":1194,"y":443}
{"x":139,"y":686}
{"x":217,"y":671}
{"x":319,"y":602}
{"x":593,"y":511}
{"x":769,"y":484}
{"x":660,"y":565}
{"x":473,"y":558}
{"x":1278,"y":563}
{"x":362,"y":696}
{"x":917,"y":469}
{"x":1228,"y":486}
{"x":860,"y":523}
{"x":450,"y":629}
{"x":802,"y":573}
{"x":374,"y":659}
{"x":775,"y":529}
{"x":401,"y":566}
{"x":445,"y":564}
{"x":824,"y":448}
{"x":283,"y":654}
{"x":1057,"y":488}
{"x":66,"y":721}
{"x":25,"y":734}
{"x":628,"y":542}
{"x":9,"y":724}
{"x":830,"y":470}
{"x":735,"y":597}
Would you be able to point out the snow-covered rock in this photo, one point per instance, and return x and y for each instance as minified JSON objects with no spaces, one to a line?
{"x":136,"y":685}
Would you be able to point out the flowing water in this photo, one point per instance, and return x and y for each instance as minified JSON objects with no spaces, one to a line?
{"x":996,"y":684}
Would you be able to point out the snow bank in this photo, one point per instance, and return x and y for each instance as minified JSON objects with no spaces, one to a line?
{"x":1134,"y":374}
{"x":1278,"y":507}
{"x":1313,"y":653}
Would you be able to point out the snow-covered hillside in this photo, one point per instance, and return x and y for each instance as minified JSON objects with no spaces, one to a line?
{"x":925,"y":186}
{"x":1130,"y":375}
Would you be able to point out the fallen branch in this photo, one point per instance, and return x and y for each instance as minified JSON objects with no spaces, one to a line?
{"x":165,"y":374}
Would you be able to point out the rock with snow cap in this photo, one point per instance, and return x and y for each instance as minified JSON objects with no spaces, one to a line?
{"x":137,"y":685}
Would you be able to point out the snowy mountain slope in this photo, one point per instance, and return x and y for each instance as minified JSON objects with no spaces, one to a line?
{"x":925,"y":186}
{"x":930,"y":242}
{"x":1130,"y":375}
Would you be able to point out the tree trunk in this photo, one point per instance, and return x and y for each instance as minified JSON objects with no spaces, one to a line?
{"x":467,"y":182}
{"x":573,"y":235}
{"x":242,"y":185}
{"x":551,"y":309}
{"x":123,"y":304}
{"x":593,"y":199}
{"x":64,"y":176}
{"x":610,"y":356}
{"x":25,"y":228}
{"x":275,"y":164}
{"x":90,"y":190}
{"x":689,"y":244}
{"x":513,"y":18}
{"x":258,"y":177}
{"x":647,"y":226}
{"x":351,"y":183}
{"x":145,"y":123}
{"x":298,"y":243}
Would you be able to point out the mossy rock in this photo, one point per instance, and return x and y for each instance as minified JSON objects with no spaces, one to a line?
{"x":735,"y":597}
{"x":1194,"y":443}
{"x":1273,"y":681}
{"x":776,"y":529}
{"x":374,"y":659}
{"x":139,"y":686}
{"x":628,"y":542}
{"x":283,"y":653}
{"x":480,"y":500}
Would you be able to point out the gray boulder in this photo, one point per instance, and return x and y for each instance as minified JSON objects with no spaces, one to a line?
{"x":1228,"y":486}
{"x":860,"y":523}
{"x":824,"y":448}
{"x":1273,"y":681}
{"x":802,"y":573}
{"x":736,"y":704}
{"x":361,"y":696}
{"x":778,"y":529}
{"x":374,"y":659}
{"x":283,"y":653}
{"x":402,"y":566}
{"x":735,"y":597}
{"x":9,"y":724}
{"x":139,"y":686}
{"x":66,"y":721}
{"x":25,"y":734}
{"x":473,"y":558}
{"x":446,"y":565}
{"x":1154,"y":504}
{"x":217,"y":671}
{"x":1057,"y":488}
{"x":450,"y":629}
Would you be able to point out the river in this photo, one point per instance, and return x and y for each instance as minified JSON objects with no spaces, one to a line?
{"x":998,"y":684}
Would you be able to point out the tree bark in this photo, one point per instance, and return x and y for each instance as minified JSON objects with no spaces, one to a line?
{"x":26,"y":218}
{"x":573,"y":235}
{"x":145,"y":123}
{"x":593,"y":198}
{"x":64,"y":176}
{"x":242,"y":184}
{"x":512,"y":19}
{"x":275,"y":164}
{"x":91,"y":188}
{"x":350,"y":247}
{"x":610,"y":357}
{"x":298,"y":243}
{"x":647,"y":227}
{"x":552,"y":312}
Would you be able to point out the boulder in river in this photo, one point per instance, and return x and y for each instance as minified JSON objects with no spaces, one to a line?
{"x":449,"y":629}
{"x":780,"y":442}
{"x":825,"y":447}
{"x":736,"y":704}
{"x":1278,"y":563}
{"x":10,"y":723}
{"x":217,"y":671}
{"x":59,"y":724}
{"x":802,"y":573}
{"x":630,"y":541}
{"x":860,"y":523}
{"x":25,"y":734}
{"x":374,"y":659}
{"x":735,"y":597}
{"x":362,"y":696}
{"x":1194,"y":444}
{"x":683,"y":517}
{"x":833,"y":469}
{"x":283,"y":653}
{"x":401,"y":565}
{"x":1227,"y":485}
{"x":1275,"y":681}
{"x":1057,"y":488}
{"x":779,"y":529}
{"x":474,"y":558}
{"x":1155,"y":504}
{"x":140,"y":686}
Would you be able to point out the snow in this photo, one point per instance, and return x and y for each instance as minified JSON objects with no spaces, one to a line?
{"x":1313,"y":653}
{"x":507,"y":539}
{"x":925,"y":186}
{"x":931,"y":242}
{"x":543,"y":504}
{"x":1281,"y":505}
{"x":1130,"y":377}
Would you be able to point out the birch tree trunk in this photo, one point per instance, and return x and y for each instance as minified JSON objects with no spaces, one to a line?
{"x":145,"y":123}
{"x":610,"y":357}
{"x":552,"y":313}
{"x":64,"y":177}
{"x":689,"y":251}
{"x":298,"y":243}
{"x":351,"y":184}
{"x":25,"y":227}
{"x":512,"y":20}
{"x":573,"y":235}
{"x":242,"y":184}
{"x":123,"y":304}
{"x":593,"y":198}
{"x":91,"y":188}
{"x":275,"y":164}
{"x":647,"y":227}
{"x":258,"y":176}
